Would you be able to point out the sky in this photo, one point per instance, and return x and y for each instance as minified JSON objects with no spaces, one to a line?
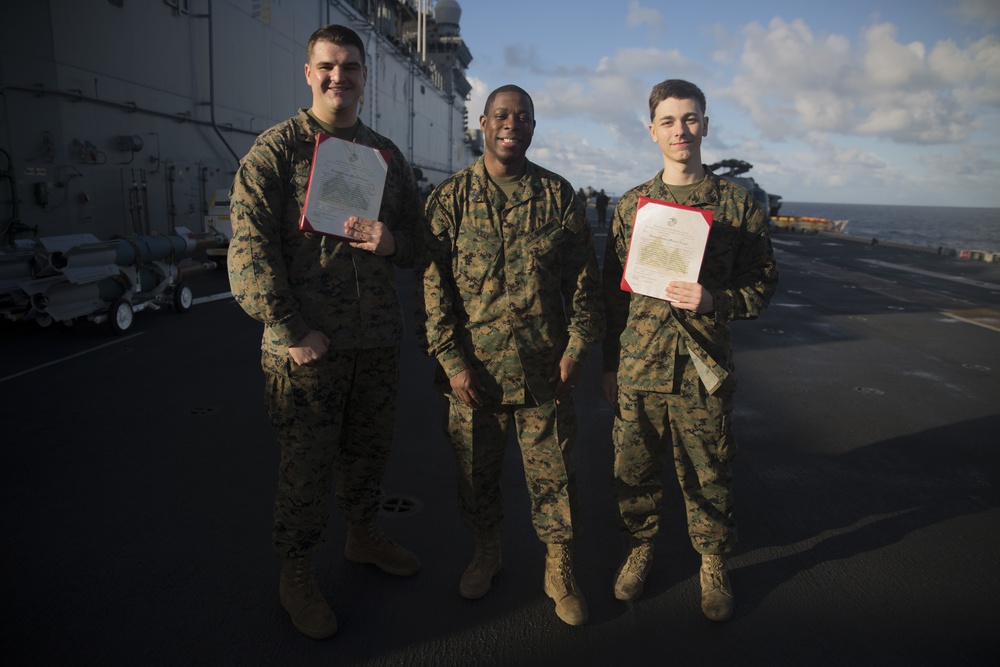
{"x":853,"y":101}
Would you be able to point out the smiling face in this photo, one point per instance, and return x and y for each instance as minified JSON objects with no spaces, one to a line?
{"x":508,"y":125}
{"x":678,"y":127}
{"x":336,"y":75}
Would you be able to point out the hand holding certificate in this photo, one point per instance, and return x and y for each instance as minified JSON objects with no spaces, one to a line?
{"x":668,"y":244}
{"x":346,"y":180}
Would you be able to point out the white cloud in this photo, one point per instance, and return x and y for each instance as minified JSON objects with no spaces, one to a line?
{"x":969,"y":162}
{"x":985,"y":12}
{"x":611,"y":96}
{"x":889,"y":64}
{"x":651,"y":19}
{"x":823,"y":110}
{"x":792,"y":82}
{"x":787,"y":78}
{"x":832,"y":155}
{"x":635,"y":61}
{"x":726,"y":49}
{"x":477,"y":100}
{"x":519,"y":59}
{"x":974,"y":72}
{"x":587,"y":165}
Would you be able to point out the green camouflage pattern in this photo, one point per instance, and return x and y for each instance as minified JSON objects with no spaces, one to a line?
{"x":646,"y":335}
{"x":693,"y":428}
{"x":506,"y":288}
{"x":664,"y":408}
{"x":334,"y":417}
{"x":545,"y":434}
{"x":294,"y":281}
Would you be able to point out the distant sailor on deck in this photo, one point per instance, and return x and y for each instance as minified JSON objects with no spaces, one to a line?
{"x":668,"y":361}
{"x":601,"y":201}
{"x":332,"y":327}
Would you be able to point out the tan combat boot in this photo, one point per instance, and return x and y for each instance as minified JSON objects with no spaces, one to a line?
{"x":300,"y":597}
{"x":716,"y":595}
{"x":485,"y":565}
{"x":634,"y":570}
{"x":367,"y":544}
{"x":561,"y":586}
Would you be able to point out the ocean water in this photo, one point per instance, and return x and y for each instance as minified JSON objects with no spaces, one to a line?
{"x":947,"y":227}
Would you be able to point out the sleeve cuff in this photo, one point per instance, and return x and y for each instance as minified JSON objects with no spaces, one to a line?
{"x":453,"y":365}
{"x":290,"y":332}
{"x":576,"y":350}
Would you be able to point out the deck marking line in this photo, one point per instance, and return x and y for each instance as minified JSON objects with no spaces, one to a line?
{"x":72,"y":356}
{"x":983,"y":317}
{"x":212,"y":297}
{"x":932,"y":274}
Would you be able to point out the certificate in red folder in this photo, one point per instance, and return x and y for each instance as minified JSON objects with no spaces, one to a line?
{"x":668,"y":243}
{"x":346,"y":179}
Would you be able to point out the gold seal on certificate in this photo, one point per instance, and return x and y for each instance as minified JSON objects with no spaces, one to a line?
{"x":668,"y":243}
{"x":346,"y":179}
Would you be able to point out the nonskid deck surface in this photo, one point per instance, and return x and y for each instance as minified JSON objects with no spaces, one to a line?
{"x":138,"y":475}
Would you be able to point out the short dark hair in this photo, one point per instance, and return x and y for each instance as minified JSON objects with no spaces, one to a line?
{"x":509,"y":88}
{"x":679,"y":88}
{"x":336,"y":34}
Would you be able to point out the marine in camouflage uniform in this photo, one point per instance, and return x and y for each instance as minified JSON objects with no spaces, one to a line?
{"x":650,"y":345}
{"x":509,"y":291}
{"x":333,"y":410}
{"x":339,"y":412}
{"x":673,"y":366}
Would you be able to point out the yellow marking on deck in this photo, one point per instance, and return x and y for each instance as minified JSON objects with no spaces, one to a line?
{"x":984,"y":317}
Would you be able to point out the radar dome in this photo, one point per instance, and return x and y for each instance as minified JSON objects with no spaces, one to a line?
{"x":447,"y":12}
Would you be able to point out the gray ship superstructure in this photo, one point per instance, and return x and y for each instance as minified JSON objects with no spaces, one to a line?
{"x":128,"y":117}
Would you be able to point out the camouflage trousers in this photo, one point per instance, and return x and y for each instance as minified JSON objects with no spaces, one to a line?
{"x":696,"y":430}
{"x":333,"y":419}
{"x":545,"y":434}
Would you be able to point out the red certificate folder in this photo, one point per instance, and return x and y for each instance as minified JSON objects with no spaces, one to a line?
{"x":656,"y":275}
{"x":345,"y":179}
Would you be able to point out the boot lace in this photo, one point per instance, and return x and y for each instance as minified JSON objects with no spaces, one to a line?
{"x":565,"y":571}
{"x":716,"y":572}
{"x":637,"y":559}
{"x":486,"y":548}
{"x":304,"y":579}
{"x":378,"y":539}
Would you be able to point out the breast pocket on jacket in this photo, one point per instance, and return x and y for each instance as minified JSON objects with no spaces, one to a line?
{"x":478,"y":251}
{"x":544,"y":242}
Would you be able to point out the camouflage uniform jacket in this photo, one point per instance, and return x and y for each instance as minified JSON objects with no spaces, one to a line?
{"x":645,"y":334}
{"x":507,"y":288}
{"x":294,"y":281}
